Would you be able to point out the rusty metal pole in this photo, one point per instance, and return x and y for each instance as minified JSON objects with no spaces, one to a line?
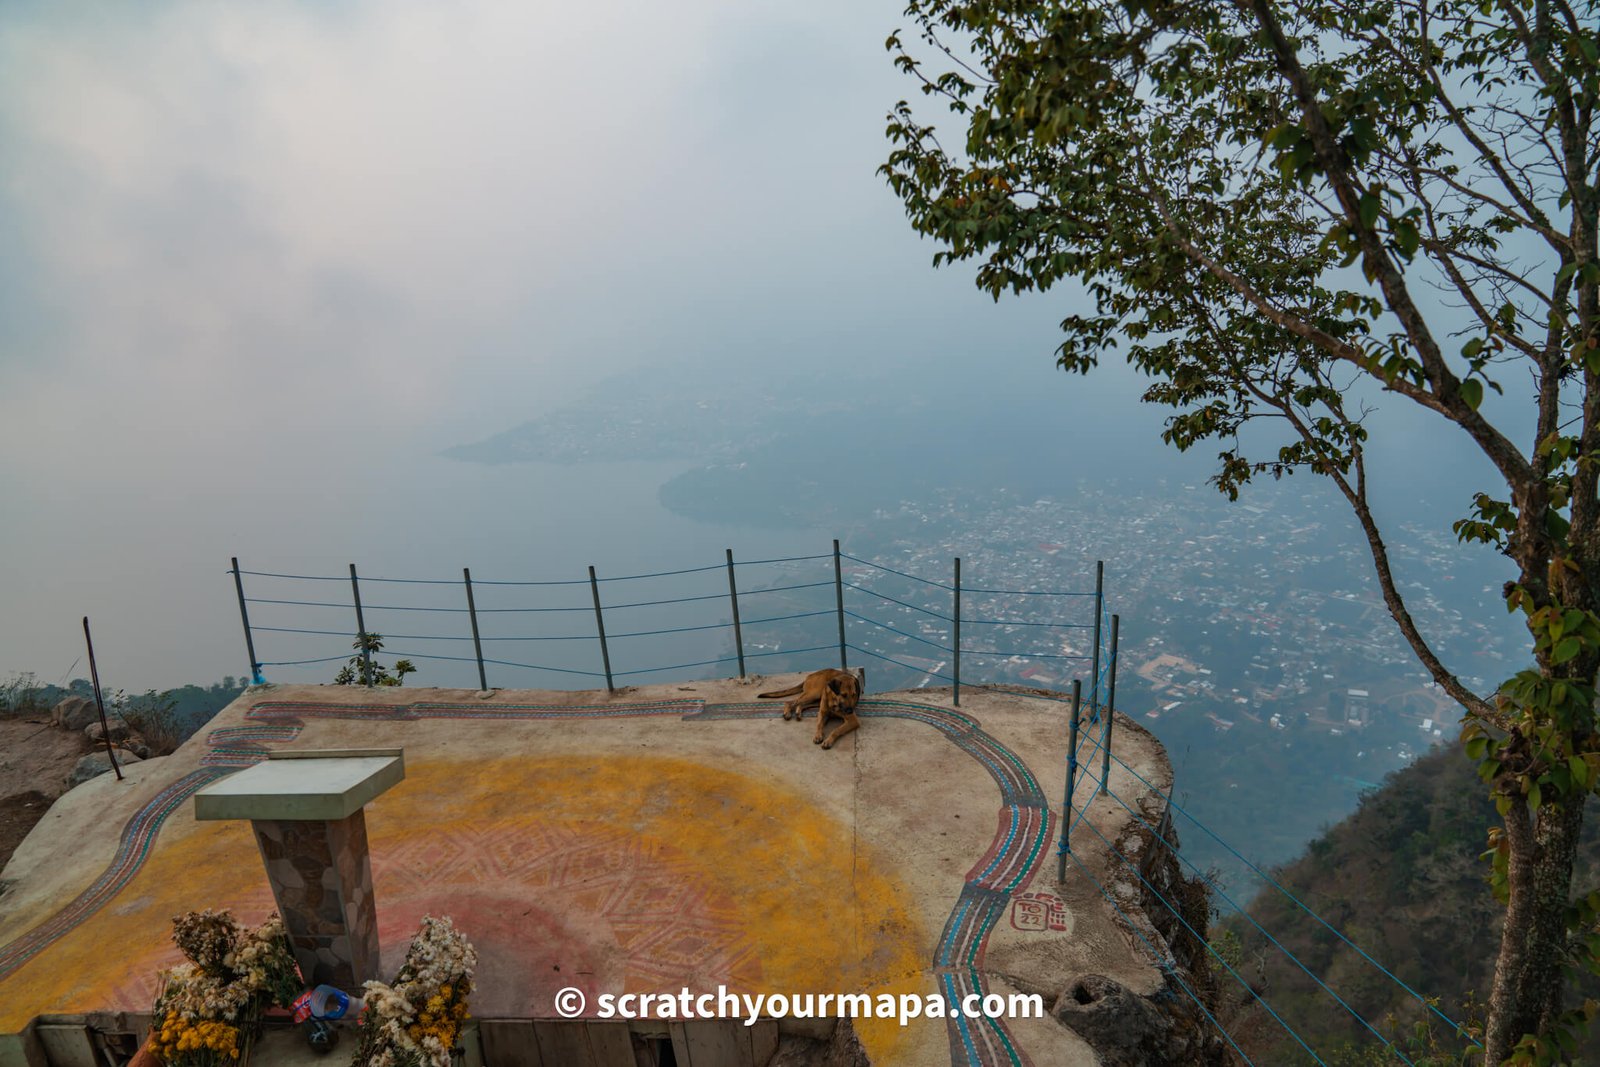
{"x":600,"y":624}
{"x":361,"y":630}
{"x":477,"y":643}
{"x":1111,"y":707}
{"x":956,"y":644}
{"x":838,"y":596}
{"x":244,"y":615}
{"x":1065,"y":848}
{"x":1094,"y":663}
{"x":94,"y":673}
{"x":733,"y":595}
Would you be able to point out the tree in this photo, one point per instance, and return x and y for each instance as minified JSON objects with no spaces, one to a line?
{"x":1283,"y":212}
{"x":364,"y":670}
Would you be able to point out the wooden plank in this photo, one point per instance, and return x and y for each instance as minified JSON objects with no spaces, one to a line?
{"x":563,"y":1043}
{"x":680,"y":1045}
{"x":509,"y":1043}
{"x":472,"y":1044}
{"x":763,"y":1041}
{"x":68,"y":1046}
{"x":717,"y":1043}
{"x":610,"y":1043}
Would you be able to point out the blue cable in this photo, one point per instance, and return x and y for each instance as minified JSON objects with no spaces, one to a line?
{"x":897,"y":663}
{"x":405,"y":607}
{"x":790,"y":651}
{"x":561,"y":581}
{"x":891,"y":629}
{"x":1160,"y":960}
{"x":538,"y":667}
{"x":1455,"y":1026}
{"x":674,"y":630}
{"x":786,"y":559}
{"x":783,"y":588}
{"x":1021,"y":655}
{"x":786,"y":618}
{"x":298,"y":662}
{"x":1009,"y":622}
{"x":1177,"y":915}
{"x":891,"y":570}
{"x":663,"y":574}
{"x":658,"y":603}
{"x":416,"y":581}
{"x":300,"y":577}
{"x":1023,"y":592}
{"x":674,"y":667}
{"x":892,"y":600}
{"x":1190,"y":864}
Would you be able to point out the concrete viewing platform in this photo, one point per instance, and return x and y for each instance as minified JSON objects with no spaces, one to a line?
{"x":648,"y":840}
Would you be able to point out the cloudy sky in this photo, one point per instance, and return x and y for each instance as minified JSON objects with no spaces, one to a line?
{"x":253,"y":256}
{"x":258,"y":260}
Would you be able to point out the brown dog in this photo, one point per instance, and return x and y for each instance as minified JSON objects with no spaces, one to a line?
{"x":834,"y":693}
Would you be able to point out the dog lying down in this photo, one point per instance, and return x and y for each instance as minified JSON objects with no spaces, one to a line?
{"x":834,"y":693}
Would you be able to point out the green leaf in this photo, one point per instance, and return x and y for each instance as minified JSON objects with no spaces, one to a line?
{"x":1472,"y":393}
{"x":1368,"y":209}
{"x":1565,"y":649}
{"x":1580,"y":770}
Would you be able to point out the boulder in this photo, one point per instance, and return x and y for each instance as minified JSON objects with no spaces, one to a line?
{"x":1128,"y":1030}
{"x":115,"y":724}
{"x":97,"y":763}
{"x":74,"y":713}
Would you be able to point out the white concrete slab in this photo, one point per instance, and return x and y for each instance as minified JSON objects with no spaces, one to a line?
{"x":324,"y":786}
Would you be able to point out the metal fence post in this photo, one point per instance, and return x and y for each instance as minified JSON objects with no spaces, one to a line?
{"x":1065,"y":848}
{"x":94,"y":672}
{"x":838,"y":596}
{"x":1111,"y":707}
{"x":956,"y":644}
{"x":600,"y":623}
{"x":733,"y":595}
{"x":1094,"y":663}
{"x":477,"y":644}
{"x":244,"y":616}
{"x":361,"y":628}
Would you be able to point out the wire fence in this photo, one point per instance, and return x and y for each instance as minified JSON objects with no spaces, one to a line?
{"x":782,"y":614}
{"x":714,"y":619}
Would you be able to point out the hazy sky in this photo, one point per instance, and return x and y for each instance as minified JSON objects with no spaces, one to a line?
{"x":258,"y":258}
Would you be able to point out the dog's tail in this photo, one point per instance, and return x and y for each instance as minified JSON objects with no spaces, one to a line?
{"x":791,"y":691}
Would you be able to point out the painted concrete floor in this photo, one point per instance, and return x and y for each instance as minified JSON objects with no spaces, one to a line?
{"x":652,"y":839}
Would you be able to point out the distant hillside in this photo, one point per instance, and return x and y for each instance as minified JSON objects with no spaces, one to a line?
{"x":181,"y":711}
{"x":1401,"y":878}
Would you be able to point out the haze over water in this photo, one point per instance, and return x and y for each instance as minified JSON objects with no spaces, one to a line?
{"x":263,"y":263}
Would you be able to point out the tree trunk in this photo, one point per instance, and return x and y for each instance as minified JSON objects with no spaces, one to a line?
{"x":1526,"y":996}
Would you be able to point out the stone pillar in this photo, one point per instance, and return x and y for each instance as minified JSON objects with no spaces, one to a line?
{"x":322,"y":880}
{"x":306,"y":810}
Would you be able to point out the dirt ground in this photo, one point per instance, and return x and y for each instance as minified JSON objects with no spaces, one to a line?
{"x":34,"y":763}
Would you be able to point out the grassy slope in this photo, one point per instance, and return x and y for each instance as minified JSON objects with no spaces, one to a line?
{"x":1402,"y":879}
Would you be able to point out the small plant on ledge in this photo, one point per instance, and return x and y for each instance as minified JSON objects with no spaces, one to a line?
{"x":364,"y":669}
{"x":417,"y":1021}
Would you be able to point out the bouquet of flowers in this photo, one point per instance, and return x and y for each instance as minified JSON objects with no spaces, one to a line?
{"x":210,"y":1007}
{"x":416,"y":1021}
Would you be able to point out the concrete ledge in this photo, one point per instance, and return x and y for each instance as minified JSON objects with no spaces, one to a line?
{"x":307,"y":786}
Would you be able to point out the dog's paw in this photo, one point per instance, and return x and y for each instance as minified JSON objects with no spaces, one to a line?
{"x":818,"y":741}
{"x":828,"y":743}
